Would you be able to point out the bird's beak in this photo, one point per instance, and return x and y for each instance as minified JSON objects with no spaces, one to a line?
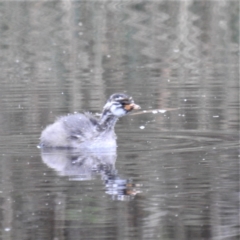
{"x":132,"y":106}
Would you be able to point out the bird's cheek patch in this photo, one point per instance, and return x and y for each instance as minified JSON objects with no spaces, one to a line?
{"x":128,"y":107}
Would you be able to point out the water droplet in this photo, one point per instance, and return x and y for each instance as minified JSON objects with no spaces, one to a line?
{"x":162,"y":110}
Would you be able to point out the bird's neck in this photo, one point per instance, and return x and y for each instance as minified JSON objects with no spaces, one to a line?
{"x":107,"y":122}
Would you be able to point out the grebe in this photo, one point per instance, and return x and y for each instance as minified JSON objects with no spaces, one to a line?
{"x":85,"y":130}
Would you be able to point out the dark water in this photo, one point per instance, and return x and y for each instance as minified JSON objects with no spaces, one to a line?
{"x":175,"y":174}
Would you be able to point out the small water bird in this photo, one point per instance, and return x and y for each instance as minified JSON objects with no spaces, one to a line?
{"x":85,"y":130}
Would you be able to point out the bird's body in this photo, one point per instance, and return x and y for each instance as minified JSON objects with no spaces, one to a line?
{"x":85,"y":130}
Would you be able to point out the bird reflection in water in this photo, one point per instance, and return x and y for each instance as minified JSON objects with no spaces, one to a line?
{"x":84,"y":165}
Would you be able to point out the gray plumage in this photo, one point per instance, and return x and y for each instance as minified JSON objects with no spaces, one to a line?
{"x":85,"y":130}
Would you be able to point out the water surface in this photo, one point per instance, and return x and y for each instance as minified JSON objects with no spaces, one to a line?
{"x":175,"y":173}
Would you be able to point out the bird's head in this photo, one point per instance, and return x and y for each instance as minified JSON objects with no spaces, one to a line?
{"x":119,"y":104}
